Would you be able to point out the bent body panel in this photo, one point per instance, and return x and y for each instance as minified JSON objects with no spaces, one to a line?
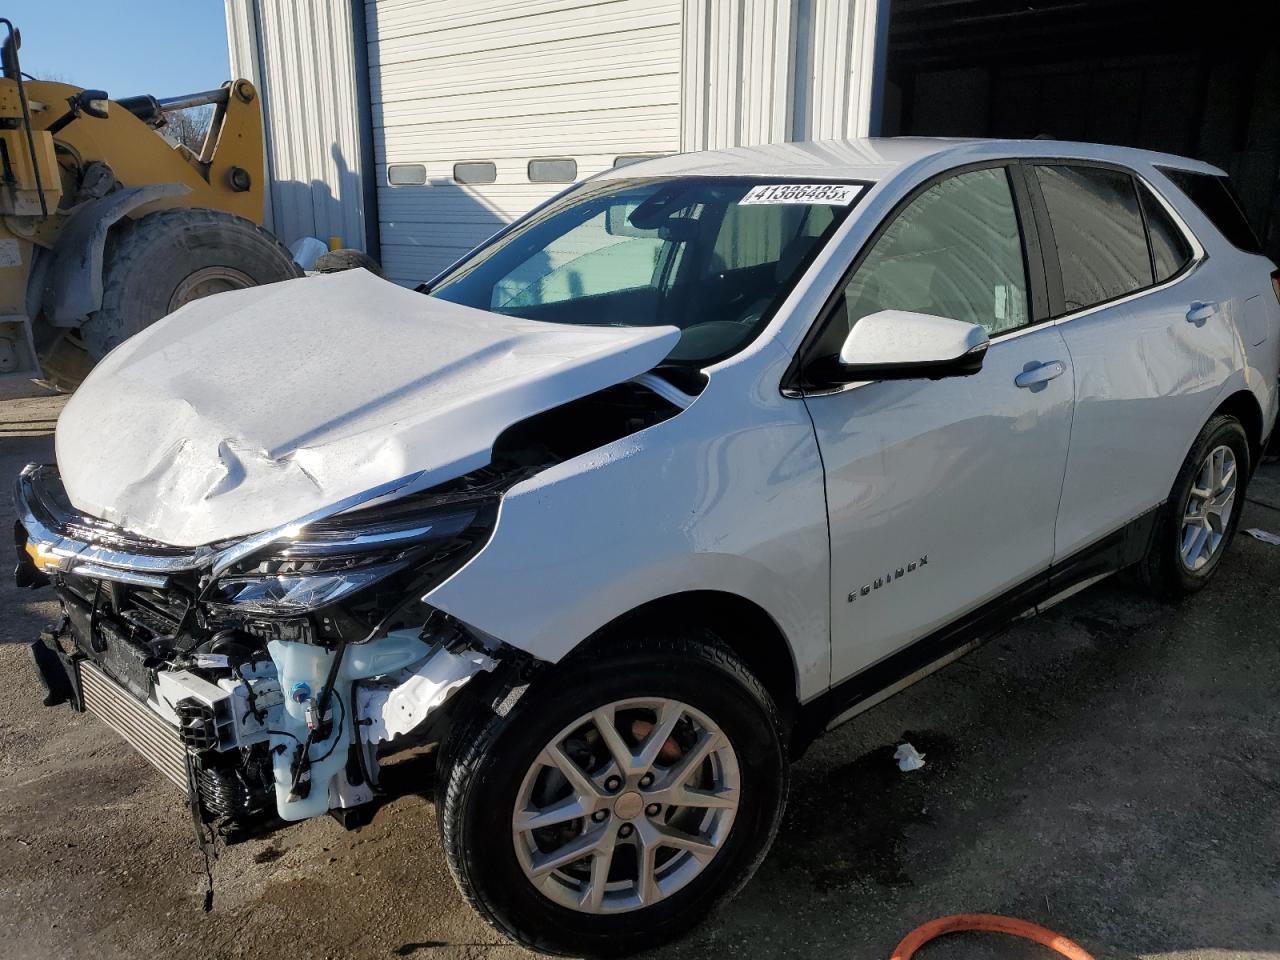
{"x":725,"y":496}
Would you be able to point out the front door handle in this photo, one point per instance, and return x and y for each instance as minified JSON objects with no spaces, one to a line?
{"x":1199,"y":312}
{"x":1040,"y":374}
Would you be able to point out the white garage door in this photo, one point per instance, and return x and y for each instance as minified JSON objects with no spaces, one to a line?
{"x":483,"y":109}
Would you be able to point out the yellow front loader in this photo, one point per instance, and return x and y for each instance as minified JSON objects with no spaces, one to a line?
{"x":106,"y":226}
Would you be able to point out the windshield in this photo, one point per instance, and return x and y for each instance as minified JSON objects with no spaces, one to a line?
{"x":711,"y":256}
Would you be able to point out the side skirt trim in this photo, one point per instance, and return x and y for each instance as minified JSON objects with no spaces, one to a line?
{"x":880,"y":681}
{"x":878,"y":698}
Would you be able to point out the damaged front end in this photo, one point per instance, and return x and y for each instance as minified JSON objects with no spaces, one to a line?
{"x":264,"y":675}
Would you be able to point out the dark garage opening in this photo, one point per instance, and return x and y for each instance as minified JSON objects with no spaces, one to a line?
{"x":1200,"y":80}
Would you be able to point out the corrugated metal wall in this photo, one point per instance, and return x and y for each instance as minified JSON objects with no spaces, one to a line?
{"x":507,"y":82}
{"x":301,"y":55}
{"x":510,"y":81}
{"x":840,"y":83}
{"x":765,"y":71}
{"x":737,"y":73}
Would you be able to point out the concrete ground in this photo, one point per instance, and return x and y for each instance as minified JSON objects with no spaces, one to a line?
{"x":1110,"y":769}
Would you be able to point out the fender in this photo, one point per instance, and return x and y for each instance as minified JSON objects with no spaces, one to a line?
{"x":73,"y":282}
{"x":1251,"y":382}
{"x":727,"y":495}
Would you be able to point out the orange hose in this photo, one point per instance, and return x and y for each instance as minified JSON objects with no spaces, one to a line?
{"x":987,"y":923}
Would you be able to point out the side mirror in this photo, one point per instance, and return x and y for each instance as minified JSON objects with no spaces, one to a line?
{"x":92,"y":103}
{"x":898,"y":345}
{"x":86,"y":103}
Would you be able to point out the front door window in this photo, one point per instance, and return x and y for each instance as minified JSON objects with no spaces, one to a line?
{"x":954,"y":251}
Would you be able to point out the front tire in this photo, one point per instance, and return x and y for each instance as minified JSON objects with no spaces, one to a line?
{"x":1198,"y":522}
{"x":621,"y":798}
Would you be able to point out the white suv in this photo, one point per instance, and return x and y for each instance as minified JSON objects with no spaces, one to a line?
{"x":697,"y":459}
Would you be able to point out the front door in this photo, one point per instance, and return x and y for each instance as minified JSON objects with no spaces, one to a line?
{"x":942,"y":494}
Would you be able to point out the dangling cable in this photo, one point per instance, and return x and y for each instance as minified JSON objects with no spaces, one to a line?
{"x":206,"y":839}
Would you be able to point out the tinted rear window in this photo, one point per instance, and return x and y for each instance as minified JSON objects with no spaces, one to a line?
{"x":1097,"y":228}
{"x":1217,"y":201}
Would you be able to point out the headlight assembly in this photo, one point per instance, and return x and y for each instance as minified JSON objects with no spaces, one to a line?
{"x":332,"y":560}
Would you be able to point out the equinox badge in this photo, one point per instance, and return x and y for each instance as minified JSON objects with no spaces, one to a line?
{"x":888,"y":578}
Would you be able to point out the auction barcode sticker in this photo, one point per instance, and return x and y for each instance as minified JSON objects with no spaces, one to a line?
{"x":831,"y":194}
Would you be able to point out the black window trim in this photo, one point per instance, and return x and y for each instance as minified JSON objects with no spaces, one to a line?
{"x":1052,"y":265}
{"x":794,"y":383}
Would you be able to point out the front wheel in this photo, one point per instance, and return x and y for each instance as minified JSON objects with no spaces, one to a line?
{"x":622,"y":798}
{"x":1198,"y":521}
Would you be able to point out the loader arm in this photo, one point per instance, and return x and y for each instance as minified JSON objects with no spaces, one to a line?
{"x":106,"y":226}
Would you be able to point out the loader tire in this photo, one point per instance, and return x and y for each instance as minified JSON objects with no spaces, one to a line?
{"x":157,"y":263}
{"x":336,"y":261}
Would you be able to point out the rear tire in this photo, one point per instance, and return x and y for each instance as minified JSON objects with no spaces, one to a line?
{"x":157,"y":263}
{"x":498,"y":766}
{"x":1198,"y":522}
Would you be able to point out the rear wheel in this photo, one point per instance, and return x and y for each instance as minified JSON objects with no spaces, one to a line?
{"x":619,"y":801}
{"x":157,"y":263}
{"x":1199,"y":520}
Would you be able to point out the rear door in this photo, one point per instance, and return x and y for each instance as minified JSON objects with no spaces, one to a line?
{"x":1149,"y":334}
{"x":942,"y":494}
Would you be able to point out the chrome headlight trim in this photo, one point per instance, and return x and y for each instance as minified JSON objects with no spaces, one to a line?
{"x":228,"y":558}
{"x":141,"y":568}
{"x":307,"y":565}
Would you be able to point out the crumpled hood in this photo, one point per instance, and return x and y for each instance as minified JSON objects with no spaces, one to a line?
{"x":249,"y":409}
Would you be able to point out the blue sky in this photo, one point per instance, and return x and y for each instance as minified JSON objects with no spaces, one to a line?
{"x":126,"y":47}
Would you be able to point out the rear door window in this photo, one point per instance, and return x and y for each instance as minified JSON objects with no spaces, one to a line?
{"x":1217,"y":201}
{"x":1170,"y":251}
{"x":1098,"y":232}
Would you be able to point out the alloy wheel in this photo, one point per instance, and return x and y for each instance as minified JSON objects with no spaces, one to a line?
{"x":1208,"y":511}
{"x":626,"y":805}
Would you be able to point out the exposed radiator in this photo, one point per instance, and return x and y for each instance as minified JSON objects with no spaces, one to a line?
{"x":156,"y":740}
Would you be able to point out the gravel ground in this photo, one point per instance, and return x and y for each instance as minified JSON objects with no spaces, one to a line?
{"x":1110,"y":769}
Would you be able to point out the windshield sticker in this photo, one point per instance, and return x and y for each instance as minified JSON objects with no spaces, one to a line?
{"x":827,"y":194}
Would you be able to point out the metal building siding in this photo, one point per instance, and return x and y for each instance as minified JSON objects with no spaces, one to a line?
{"x":736,"y":80}
{"x":301,"y":55}
{"x":509,"y":81}
{"x":843,"y":58}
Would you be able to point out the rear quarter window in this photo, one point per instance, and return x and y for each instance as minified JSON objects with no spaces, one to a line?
{"x":1170,"y":251}
{"x":1216,"y":199}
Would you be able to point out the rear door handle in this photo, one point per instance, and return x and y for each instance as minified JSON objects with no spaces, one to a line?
{"x":1199,"y":312}
{"x":1041,"y":374}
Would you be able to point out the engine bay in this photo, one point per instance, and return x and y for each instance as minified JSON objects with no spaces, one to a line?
{"x":281,"y":666}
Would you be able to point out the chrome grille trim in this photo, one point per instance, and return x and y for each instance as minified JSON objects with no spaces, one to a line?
{"x":133,"y":578}
{"x":49,"y":532}
{"x":156,"y":740}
